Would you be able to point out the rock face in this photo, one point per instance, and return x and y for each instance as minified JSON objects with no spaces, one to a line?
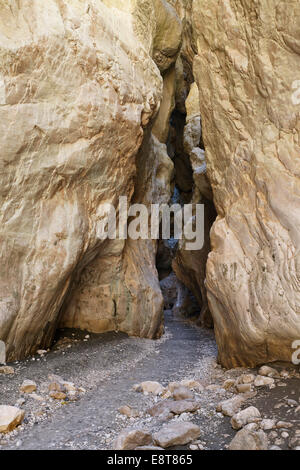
{"x":246,"y":67}
{"x":78,"y":87}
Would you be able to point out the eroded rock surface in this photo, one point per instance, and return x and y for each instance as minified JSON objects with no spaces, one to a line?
{"x":78,"y":86}
{"x":246,"y":67}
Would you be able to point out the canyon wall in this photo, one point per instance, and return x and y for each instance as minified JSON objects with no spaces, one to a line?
{"x":87,"y":91}
{"x":79,"y":84}
{"x":246,"y":67}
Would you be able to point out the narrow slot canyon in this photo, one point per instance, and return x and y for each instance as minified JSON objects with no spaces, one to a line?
{"x":116,"y":333}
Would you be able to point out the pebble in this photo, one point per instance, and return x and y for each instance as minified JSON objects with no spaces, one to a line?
{"x":28,"y":386}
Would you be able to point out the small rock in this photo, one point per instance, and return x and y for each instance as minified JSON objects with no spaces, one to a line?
{"x":182,"y":393}
{"x":268,"y":371}
{"x":244,"y":417}
{"x":262,"y":381}
{"x":55,"y":387}
{"x":267,"y":424}
{"x":243,"y":388}
{"x":291,"y":403}
{"x":128,"y":411}
{"x":229,"y":383}
{"x":130,"y":439}
{"x":193,"y":447}
{"x":176,"y":434}
{"x":246,"y":378}
{"x":28,"y":386}
{"x":41,"y":352}
{"x":251,"y":426}
{"x":283,"y":424}
{"x":6,"y":370}
{"x":249,"y":440}
{"x":36,"y":397}
{"x":231,"y":406}
{"x":149,"y":387}
{"x":10,"y":418}
{"x":275,"y":448}
{"x":285,"y":435}
{"x":192,"y":384}
{"x":57,"y":395}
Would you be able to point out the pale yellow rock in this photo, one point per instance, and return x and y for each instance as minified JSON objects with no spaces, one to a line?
{"x":10,"y":418}
{"x":28,"y":386}
{"x":176,"y":434}
{"x":246,"y":67}
{"x":75,"y":103}
{"x":132,"y":438}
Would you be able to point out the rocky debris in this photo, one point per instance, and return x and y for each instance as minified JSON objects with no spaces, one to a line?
{"x":244,"y":417}
{"x":283,"y":424}
{"x":231,"y":406}
{"x":249,"y":440}
{"x":176,"y":434}
{"x":7,"y":370}
{"x":175,"y":407}
{"x":228,"y":384}
{"x":268,"y":371}
{"x":246,"y":379}
{"x":130,"y":439}
{"x":154,"y":388}
{"x":261,"y":381}
{"x":65,"y":228}
{"x":55,"y":387}
{"x":28,"y":386}
{"x":128,"y":411}
{"x":192,"y":384}
{"x":36,"y":397}
{"x":10,"y":418}
{"x":58,"y":395}
{"x":267,"y":424}
{"x":243,"y":388}
{"x":42,"y":352}
{"x":182,"y":393}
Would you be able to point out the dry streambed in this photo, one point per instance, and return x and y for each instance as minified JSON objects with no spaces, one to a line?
{"x":115,"y":392}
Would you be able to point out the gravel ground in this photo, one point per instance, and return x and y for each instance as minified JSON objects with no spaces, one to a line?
{"x":108,"y":365}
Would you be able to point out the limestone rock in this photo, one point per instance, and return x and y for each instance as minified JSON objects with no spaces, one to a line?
{"x":182,"y":393}
{"x":155,"y":388}
{"x":249,"y":440}
{"x":176,"y":434}
{"x":268,"y":371}
{"x":7,"y":370}
{"x":243,"y":388}
{"x":132,"y":438}
{"x":57,"y":395}
{"x":246,"y":72}
{"x":82,"y":91}
{"x":28,"y":386}
{"x":267,"y":424}
{"x":10,"y":418}
{"x":128,"y":411}
{"x":244,"y":417}
{"x":231,"y":406}
{"x":261,"y":381}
